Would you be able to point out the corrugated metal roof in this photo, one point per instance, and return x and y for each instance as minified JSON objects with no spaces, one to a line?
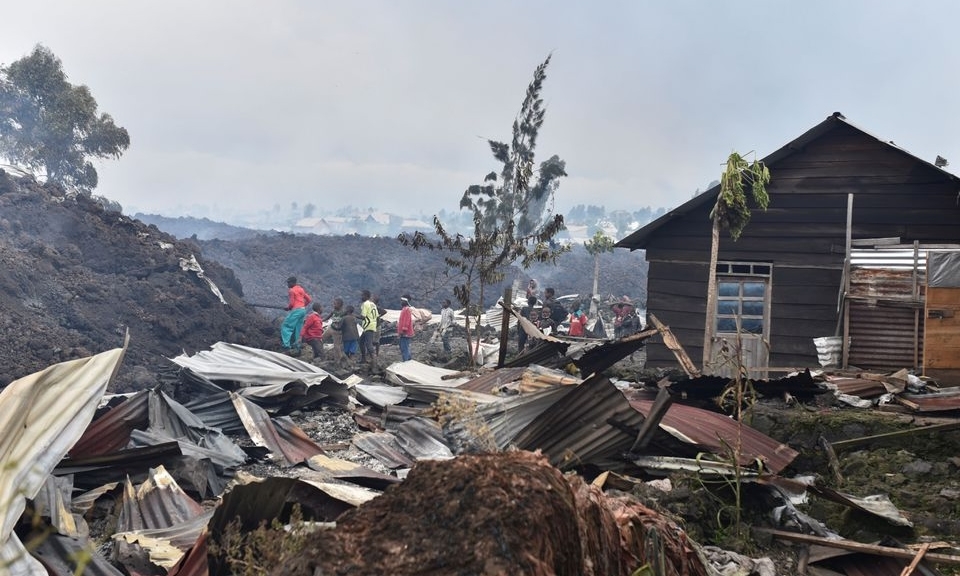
{"x":717,"y":432}
{"x":592,"y":424}
{"x":111,"y":431}
{"x":577,"y":428}
{"x":943,"y":401}
{"x":286,"y":441}
{"x":45,"y":413}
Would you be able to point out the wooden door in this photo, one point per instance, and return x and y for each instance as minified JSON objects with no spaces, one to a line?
{"x":741,"y":332}
{"x":941,"y":349}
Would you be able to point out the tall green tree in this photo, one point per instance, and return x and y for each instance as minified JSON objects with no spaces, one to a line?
{"x":512,"y":212}
{"x":51,"y":126}
{"x":732,"y":213}
{"x":597,"y":245}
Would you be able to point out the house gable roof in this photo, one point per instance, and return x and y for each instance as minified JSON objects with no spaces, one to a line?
{"x":638,"y":239}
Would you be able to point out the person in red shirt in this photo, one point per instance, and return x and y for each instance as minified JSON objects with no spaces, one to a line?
{"x":578,"y":320}
{"x":405,"y":328}
{"x":297,"y":303}
{"x":312,"y":331}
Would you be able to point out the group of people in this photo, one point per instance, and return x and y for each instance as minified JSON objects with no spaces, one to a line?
{"x":349,"y":335}
{"x":305,"y":323}
{"x":548,"y":315}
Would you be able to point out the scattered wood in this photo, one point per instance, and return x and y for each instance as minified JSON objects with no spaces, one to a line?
{"x":854,"y":546}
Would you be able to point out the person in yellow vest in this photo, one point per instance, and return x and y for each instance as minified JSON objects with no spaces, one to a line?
{"x":369,"y":318}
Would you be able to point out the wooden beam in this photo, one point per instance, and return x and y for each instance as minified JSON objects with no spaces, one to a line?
{"x":854,"y":442}
{"x":916,"y":560}
{"x":674,"y":345}
{"x":853,"y":546}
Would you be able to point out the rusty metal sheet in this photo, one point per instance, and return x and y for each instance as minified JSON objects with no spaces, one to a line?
{"x":711,"y":430}
{"x":861,"y":387}
{"x":489,"y":382}
{"x":111,"y":431}
{"x":287,"y":442}
{"x":194,"y":562}
{"x":93,"y":471}
{"x":945,"y":400}
{"x":884,"y":337}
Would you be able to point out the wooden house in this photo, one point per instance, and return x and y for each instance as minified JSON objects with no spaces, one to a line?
{"x":837,"y":193}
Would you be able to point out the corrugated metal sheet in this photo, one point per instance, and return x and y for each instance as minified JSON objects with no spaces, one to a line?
{"x":266,"y":500}
{"x":287,"y":442}
{"x":882,"y":337}
{"x":577,"y":428}
{"x":717,"y":432}
{"x":158,"y":523}
{"x":384,"y":447}
{"x":92,"y":471}
{"x":946,"y":400}
{"x":44,"y":414}
{"x":157,"y":503}
{"x":111,"y":431}
{"x":60,"y":555}
{"x":194,"y":562}
{"x":491,"y":381}
{"x":422,"y":439}
{"x":327,"y":468}
{"x":594,"y":424}
{"x":883,"y":331}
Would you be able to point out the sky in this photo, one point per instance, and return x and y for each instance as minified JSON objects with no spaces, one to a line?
{"x":239,"y":107}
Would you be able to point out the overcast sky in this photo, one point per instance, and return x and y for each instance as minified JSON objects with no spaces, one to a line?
{"x":236,"y":106}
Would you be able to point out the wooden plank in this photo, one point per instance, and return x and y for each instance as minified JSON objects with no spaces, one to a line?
{"x":907,"y":571}
{"x":853,"y":546}
{"x":674,"y":345}
{"x":864,"y":440}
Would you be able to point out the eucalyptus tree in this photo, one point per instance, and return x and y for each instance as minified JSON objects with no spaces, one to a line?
{"x":50,"y":126}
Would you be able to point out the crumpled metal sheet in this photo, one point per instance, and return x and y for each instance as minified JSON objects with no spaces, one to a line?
{"x":191,"y":265}
{"x":45,"y":413}
{"x":248,"y":366}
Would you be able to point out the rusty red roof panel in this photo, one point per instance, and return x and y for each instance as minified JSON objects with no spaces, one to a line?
{"x":717,"y":432}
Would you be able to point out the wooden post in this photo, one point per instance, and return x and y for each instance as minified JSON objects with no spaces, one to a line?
{"x":505,"y":326}
{"x":845,"y":344}
{"x":916,"y":298}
